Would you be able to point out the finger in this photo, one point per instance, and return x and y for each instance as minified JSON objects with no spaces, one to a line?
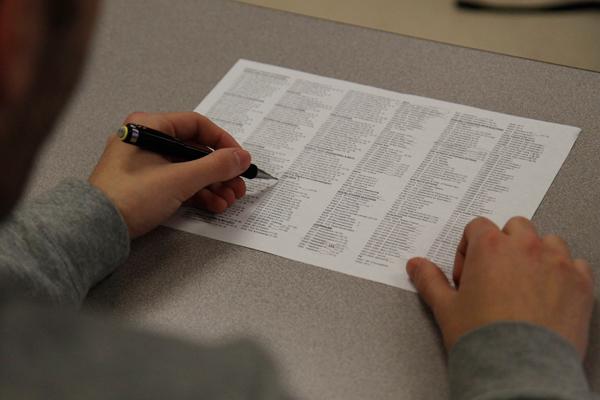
{"x":473,"y":229}
{"x":223,"y":191}
{"x":220,"y":166}
{"x":557,"y":245}
{"x":238,"y":186}
{"x":209,"y":201}
{"x":520,"y":227}
{"x":459,"y":261}
{"x":586,"y":271}
{"x":187,"y":126}
{"x":432,"y":285}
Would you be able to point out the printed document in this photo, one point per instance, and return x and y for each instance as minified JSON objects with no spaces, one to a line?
{"x":369,"y":178}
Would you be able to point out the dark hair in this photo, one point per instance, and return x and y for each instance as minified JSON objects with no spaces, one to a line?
{"x":61,"y":14}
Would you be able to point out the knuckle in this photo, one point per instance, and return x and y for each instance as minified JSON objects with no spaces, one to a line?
{"x":520,"y":220}
{"x":554,"y":241}
{"x":207,"y":123}
{"x":585,"y":283}
{"x":479,"y":220}
{"x":531,"y":243}
{"x":553,"y":238}
{"x":586,"y":277}
{"x":136,"y":116}
{"x":203,"y":119}
{"x":564,"y":263}
{"x":490,"y":238}
{"x":479,"y":224}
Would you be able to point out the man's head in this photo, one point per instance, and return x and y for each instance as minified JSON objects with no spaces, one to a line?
{"x":42,"y":47}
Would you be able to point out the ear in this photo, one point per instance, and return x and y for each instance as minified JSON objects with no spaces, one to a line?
{"x":20,"y":44}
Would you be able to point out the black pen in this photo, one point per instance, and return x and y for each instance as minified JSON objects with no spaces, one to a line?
{"x":161,"y":143}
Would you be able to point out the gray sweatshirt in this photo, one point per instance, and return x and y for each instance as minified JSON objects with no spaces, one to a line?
{"x":54,"y":249}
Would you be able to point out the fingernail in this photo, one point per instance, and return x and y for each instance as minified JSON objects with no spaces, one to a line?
{"x":243,"y":158}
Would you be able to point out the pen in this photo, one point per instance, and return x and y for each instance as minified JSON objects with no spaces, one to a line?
{"x":161,"y":143}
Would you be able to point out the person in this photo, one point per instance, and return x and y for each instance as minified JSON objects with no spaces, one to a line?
{"x":515,"y":323}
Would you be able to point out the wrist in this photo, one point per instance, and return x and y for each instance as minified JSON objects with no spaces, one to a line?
{"x":515,"y":358}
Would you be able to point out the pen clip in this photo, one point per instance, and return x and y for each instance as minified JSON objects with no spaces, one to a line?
{"x":202,"y":147}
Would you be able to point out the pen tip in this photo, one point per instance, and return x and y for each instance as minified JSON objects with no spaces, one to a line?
{"x":264,"y":175}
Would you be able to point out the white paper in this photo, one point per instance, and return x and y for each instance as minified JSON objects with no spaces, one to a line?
{"x":368,"y":177}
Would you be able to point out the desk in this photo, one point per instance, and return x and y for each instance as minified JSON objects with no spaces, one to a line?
{"x":335,"y":336}
{"x":565,"y":38}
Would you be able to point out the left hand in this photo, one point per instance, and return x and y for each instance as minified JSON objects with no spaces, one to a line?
{"x":147,"y":188}
{"x":513,"y":274}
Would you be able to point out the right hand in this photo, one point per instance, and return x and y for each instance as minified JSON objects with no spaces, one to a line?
{"x":511,"y":274}
{"x":147,"y":188}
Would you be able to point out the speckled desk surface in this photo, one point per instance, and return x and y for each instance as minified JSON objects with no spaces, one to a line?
{"x":334,"y":336}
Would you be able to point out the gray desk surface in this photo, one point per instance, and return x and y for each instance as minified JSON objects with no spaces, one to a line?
{"x":335,"y":336}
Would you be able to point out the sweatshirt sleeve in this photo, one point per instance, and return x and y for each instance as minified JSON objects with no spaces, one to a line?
{"x":56,"y":247}
{"x":515,"y":360}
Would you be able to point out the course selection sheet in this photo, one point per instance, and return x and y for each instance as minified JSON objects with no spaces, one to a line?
{"x":369,"y":178}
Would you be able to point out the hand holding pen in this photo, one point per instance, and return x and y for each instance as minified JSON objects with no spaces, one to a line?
{"x":152,"y":140}
{"x":148,"y":188}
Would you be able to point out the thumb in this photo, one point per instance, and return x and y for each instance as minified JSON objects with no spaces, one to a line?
{"x":431,"y":283}
{"x":219,"y":166}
